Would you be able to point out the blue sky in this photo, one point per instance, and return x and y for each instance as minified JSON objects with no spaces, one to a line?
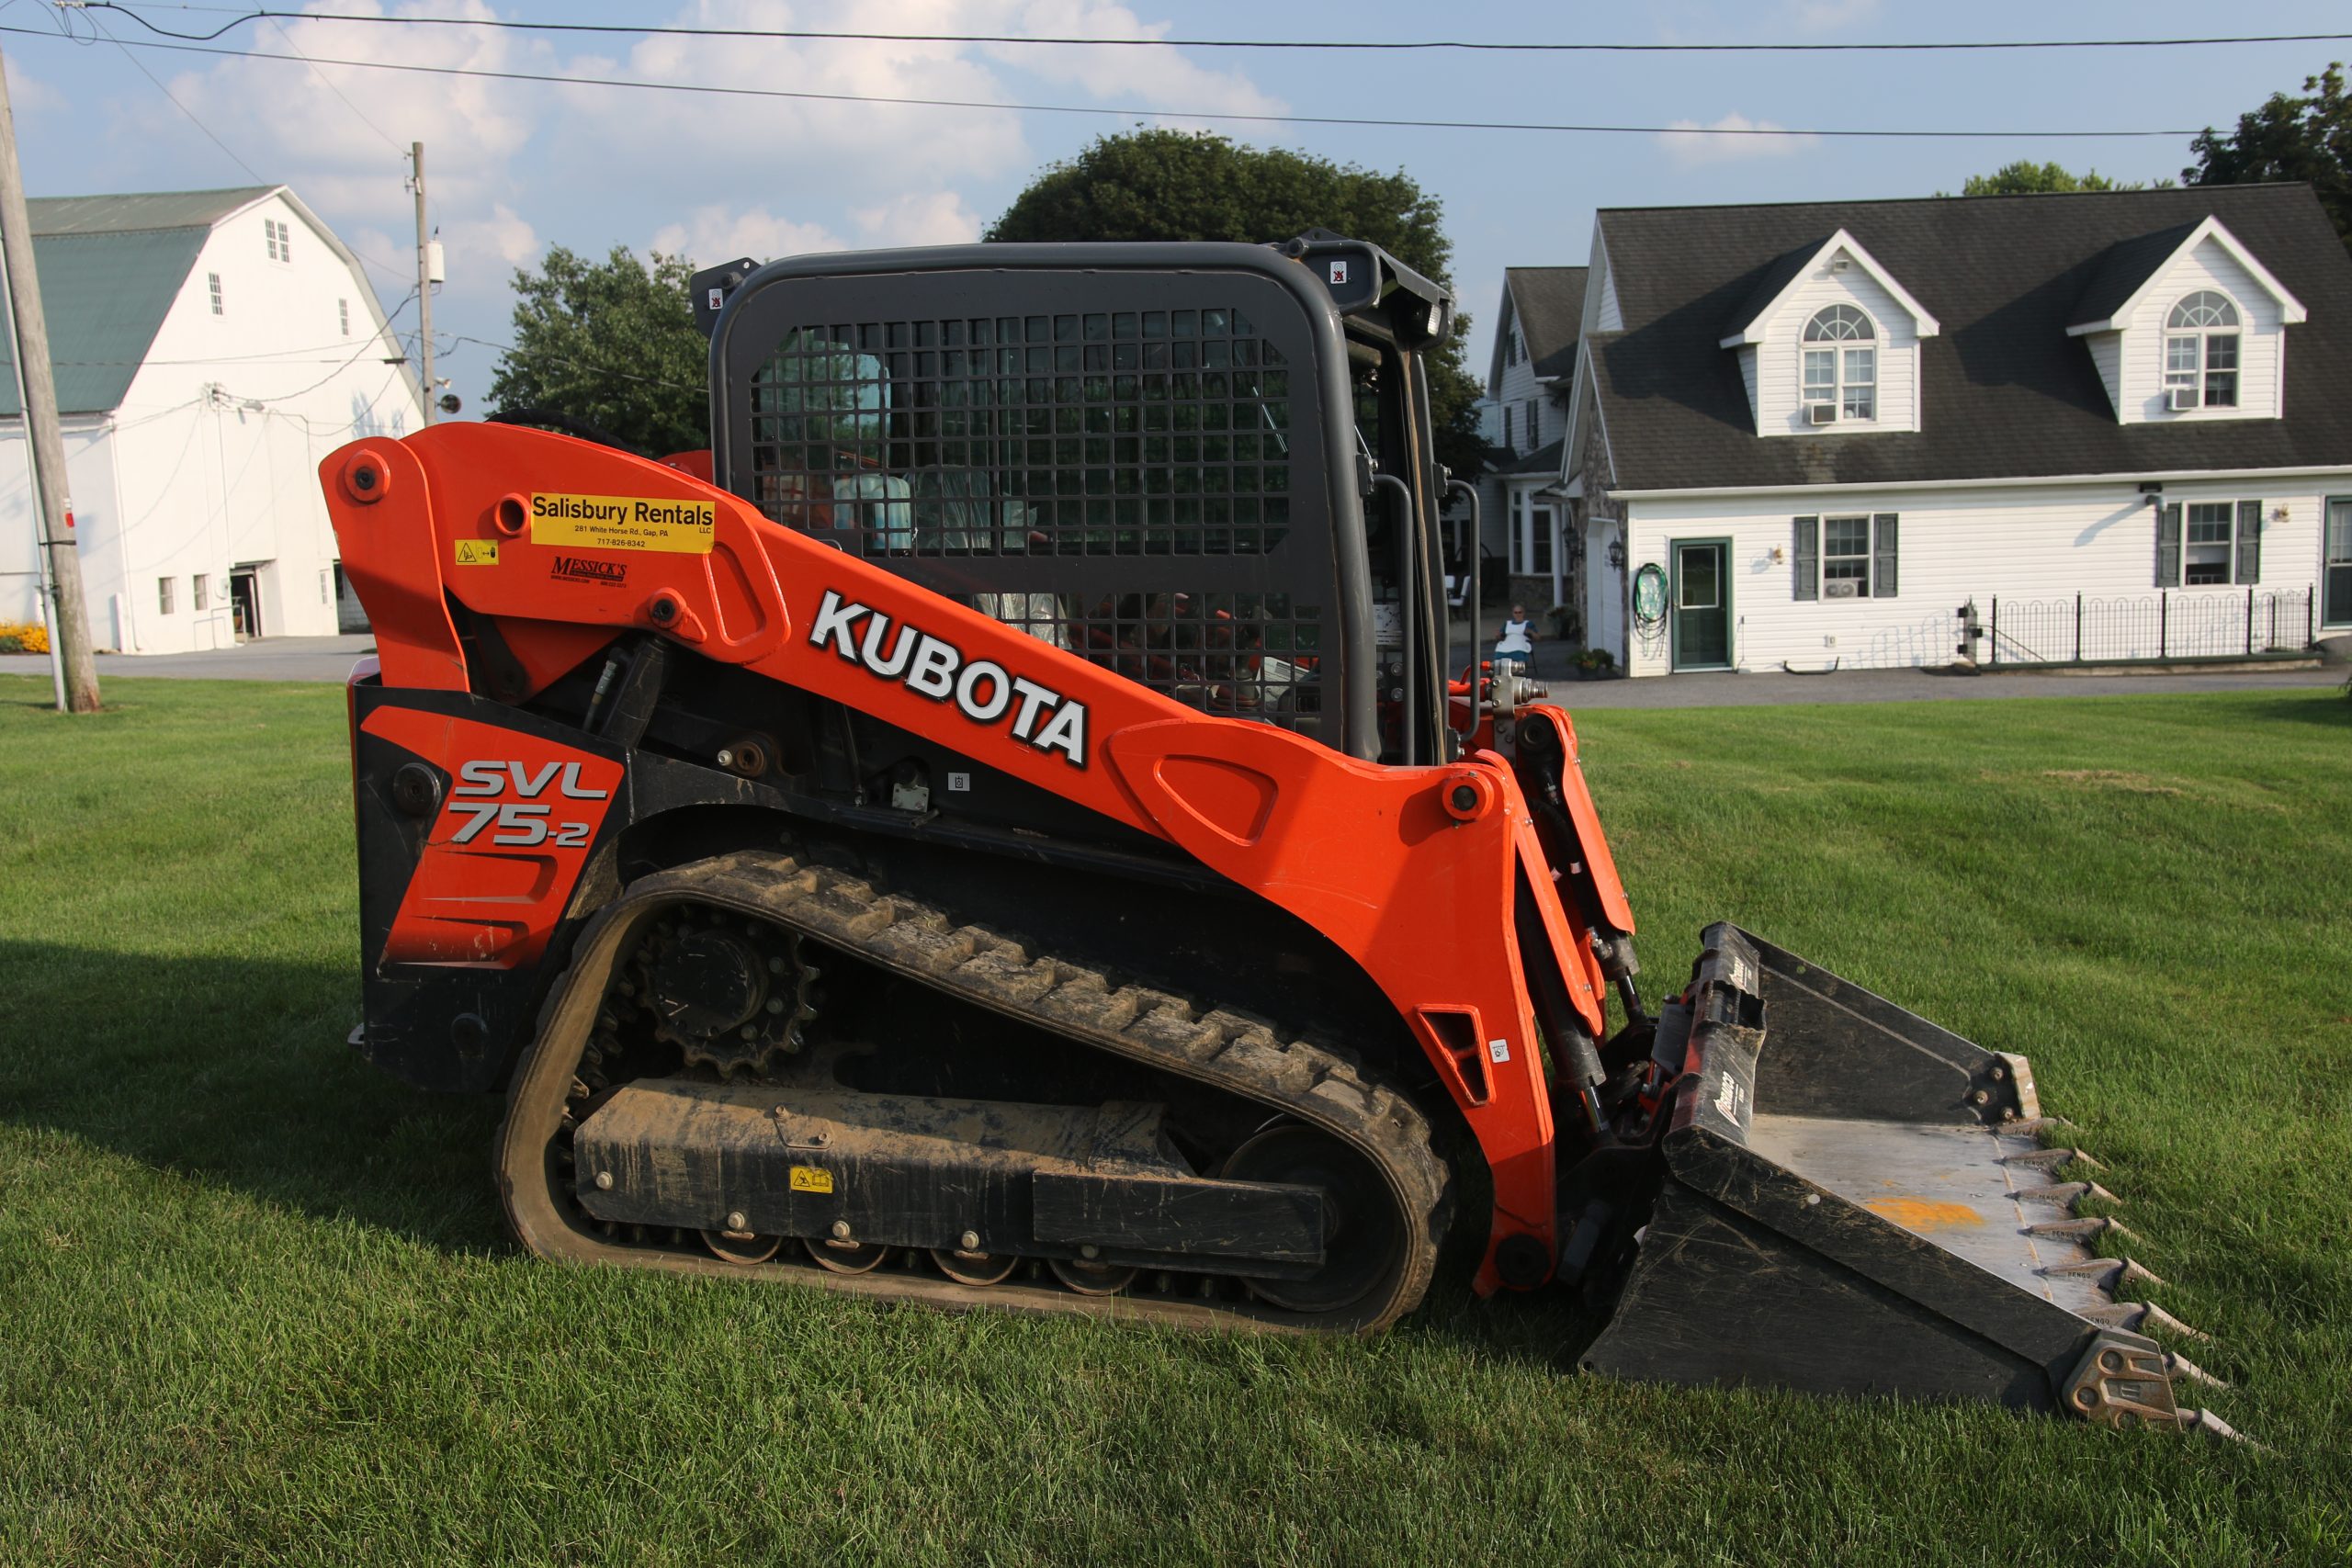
{"x":515,"y":167}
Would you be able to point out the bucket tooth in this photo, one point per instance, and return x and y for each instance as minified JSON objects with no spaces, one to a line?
{"x":2108,"y":1273}
{"x":2186,"y":1370}
{"x":2054,"y":1159}
{"x":2212,"y":1426}
{"x":2082,"y":1229}
{"x":2070,"y":1194}
{"x":2142,"y":1316}
{"x":2034,"y":1126}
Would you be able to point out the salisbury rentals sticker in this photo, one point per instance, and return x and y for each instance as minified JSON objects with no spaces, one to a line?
{"x":622,"y":522}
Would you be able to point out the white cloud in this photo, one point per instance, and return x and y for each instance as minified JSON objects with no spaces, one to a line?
{"x":1154,"y":78}
{"x":28,"y":94}
{"x":1826,"y":15}
{"x":937,"y":219}
{"x":471,"y":242}
{"x":1688,"y":142}
{"x":717,"y":233}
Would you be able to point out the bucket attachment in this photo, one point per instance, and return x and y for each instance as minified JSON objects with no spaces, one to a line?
{"x":1857,"y":1202}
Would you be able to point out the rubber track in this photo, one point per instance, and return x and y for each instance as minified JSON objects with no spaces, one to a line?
{"x":1240,"y":1053}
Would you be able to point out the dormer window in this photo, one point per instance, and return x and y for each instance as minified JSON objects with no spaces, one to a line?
{"x":1842,"y":364}
{"x":2201,"y":353}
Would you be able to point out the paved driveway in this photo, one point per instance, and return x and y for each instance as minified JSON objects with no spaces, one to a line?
{"x":331,"y":658}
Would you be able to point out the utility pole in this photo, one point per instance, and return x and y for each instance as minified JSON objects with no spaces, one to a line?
{"x":69,"y":620}
{"x":424,"y":278}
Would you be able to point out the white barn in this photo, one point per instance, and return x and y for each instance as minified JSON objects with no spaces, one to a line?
{"x":210,"y":348}
{"x":2049,"y":429}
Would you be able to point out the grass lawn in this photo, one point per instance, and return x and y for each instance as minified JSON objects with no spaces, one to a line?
{"x":256,"y":1302}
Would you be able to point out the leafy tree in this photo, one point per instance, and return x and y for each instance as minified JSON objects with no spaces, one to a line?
{"x":1176,"y":185}
{"x":2308,"y":138}
{"x":612,"y":343}
{"x":2026,"y":177}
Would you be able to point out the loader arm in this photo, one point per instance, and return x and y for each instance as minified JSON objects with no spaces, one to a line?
{"x":1393,"y":864}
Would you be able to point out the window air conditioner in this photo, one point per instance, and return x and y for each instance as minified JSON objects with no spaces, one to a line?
{"x":1845,"y":587}
{"x":2180,"y":399}
{"x":1821,"y":413}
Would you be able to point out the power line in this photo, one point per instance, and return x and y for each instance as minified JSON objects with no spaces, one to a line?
{"x":1130,"y":112}
{"x":509,"y":349}
{"x":251,"y":173}
{"x":175,"y":101}
{"x":327,"y":82}
{"x":1367,"y":45}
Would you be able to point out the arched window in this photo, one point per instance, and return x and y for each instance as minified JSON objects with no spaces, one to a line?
{"x":2201,"y":353}
{"x":1841,"y":372}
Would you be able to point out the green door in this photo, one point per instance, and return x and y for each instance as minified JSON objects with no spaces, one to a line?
{"x":1702,"y":605}
{"x":2336,"y":589}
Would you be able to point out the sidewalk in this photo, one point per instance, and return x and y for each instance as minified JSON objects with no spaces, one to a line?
{"x":268,"y":658}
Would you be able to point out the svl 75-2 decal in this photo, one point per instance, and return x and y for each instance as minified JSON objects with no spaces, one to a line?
{"x":523,"y":821}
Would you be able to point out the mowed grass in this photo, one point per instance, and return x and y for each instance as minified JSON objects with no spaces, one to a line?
{"x":256,"y":1302}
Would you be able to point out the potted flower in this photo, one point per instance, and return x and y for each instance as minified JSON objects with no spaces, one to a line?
{"x":1595,"y":664}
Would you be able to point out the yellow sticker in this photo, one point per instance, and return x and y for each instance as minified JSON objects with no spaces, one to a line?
{"x":477,"y":552}
{"x":809,"y":1179}
{"x":622,"y":522}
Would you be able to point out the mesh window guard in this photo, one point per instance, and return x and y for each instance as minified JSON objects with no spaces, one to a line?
{"x":1116,"y":481}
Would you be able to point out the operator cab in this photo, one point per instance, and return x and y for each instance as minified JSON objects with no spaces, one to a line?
{"x":1206,"y":467}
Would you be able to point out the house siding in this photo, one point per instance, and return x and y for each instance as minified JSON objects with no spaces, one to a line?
{"x":2042,"y":544}
{"x":2107,"y":355}
{"x":2261,"y":369}
{"x":1777,"y":392}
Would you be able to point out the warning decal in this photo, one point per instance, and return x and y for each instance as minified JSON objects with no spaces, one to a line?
{"x":810,"y":1178}
{"x":476,"y":552}
{"x":622,"y":522}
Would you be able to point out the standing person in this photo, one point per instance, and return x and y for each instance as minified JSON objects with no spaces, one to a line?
{"x":1518,"y":640}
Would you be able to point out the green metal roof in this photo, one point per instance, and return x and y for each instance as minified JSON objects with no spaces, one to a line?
{"x":110,"y":267}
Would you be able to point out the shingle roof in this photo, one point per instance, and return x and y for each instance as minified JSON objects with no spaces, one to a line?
{"x":1544,"y":459}
{"x":2006,"y":392}
{"x":1549,"y":302}
{"x":2127,"y":265}
{"x":110,"y":266}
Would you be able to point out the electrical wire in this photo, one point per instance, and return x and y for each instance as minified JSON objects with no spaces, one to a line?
{"x":512,"y":351}
{"x":1130,"y":112}
{"x":1363,"y":45}
{"x":328,"y":83}
{"x":251,"y":173}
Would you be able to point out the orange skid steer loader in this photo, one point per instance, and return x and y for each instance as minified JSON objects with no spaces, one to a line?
{"x":999,"y":827}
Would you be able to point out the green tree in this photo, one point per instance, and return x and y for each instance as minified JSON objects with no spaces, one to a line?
{"x":2026,"y":177}
{"x":612,"y":343}
{"x":2289,"y":138}
{"x":1175,"y":185}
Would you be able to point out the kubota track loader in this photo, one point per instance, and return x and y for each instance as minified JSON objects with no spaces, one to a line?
{"x":999,"y":827}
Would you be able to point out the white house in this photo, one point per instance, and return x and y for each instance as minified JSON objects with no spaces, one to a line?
{"x":210,"y":348}
{"x":1525,"y":415}
{"x":2087,"y":428}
